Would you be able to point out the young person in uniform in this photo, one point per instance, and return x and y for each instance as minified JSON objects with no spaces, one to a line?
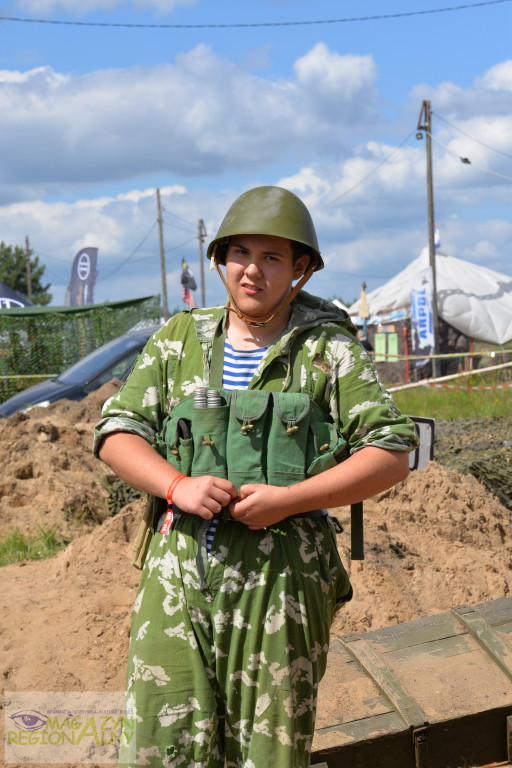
{"x":242,"y":577}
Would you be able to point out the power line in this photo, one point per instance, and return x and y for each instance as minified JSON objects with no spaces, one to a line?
{"x":368,"y":175}
{"x":232,"y":25}
{"x":175,"y":215}
{"x":483,"y":144}
{"x":173,"y":226}
{"x":54,"y":258}
{"x":151,"y":256}
{"x":177,"y":247}
{"x":118,"y":265}
{"x":128,"y":258}
{"x":467,"y":161}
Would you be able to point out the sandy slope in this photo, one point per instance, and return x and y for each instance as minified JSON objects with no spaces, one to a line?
{"x":435,"y":541}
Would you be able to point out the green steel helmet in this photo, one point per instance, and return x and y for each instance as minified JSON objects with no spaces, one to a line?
{"x":268,"y":211}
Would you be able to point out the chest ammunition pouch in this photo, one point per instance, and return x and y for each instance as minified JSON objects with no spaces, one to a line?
{"x":254,"y":436}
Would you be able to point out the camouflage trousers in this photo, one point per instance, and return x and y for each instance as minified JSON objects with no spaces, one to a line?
{"x":227,"y":651}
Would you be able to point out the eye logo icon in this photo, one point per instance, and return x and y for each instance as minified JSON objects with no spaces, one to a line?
{"x":29,"y":720}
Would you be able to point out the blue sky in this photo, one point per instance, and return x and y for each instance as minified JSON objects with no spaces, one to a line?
{"x":95,"y":118}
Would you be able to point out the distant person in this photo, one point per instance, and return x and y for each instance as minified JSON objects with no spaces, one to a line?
{"x":363,"y":340}
{"x":242,"y":576}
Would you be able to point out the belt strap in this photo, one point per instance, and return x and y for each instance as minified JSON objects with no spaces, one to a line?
{"x":356,"y":531}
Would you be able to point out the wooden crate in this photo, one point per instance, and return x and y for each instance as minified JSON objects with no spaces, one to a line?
{"x":431,"y":693}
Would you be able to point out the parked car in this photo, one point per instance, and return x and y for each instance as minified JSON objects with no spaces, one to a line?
{"x":112,"y":360}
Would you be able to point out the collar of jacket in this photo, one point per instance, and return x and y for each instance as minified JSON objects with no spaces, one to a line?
{"x":308,"y":311}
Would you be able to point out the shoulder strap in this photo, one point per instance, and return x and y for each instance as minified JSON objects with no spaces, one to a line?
{"x":217,"y":360}
{"x":294,"y":384}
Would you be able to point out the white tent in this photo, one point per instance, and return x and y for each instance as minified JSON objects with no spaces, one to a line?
{"x":341,"y":305}
{"x":475,"y":300}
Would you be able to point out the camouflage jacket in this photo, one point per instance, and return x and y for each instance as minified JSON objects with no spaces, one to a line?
{"x":335,"y":370}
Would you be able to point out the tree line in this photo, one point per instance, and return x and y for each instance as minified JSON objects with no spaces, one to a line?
{"x":14,"y":261}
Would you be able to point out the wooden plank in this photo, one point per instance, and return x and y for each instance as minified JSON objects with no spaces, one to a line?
{"x":496,"y":612}
{"x":357,"y":731}
{"x":386,"y":682}
{"x":444,"y":647}
{"x":449,"y":685}
{"x":496,"y":765}
{"x":350,"y":707}
{"x":353,"y":697}
{"x":486,"y":637}
{"x":417,"y":632}
{"x":498,"y":615}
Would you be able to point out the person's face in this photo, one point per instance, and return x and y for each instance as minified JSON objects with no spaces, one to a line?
{"x":260,"y":272}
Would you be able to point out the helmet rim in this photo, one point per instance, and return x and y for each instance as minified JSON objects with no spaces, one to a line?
{"x":268,"y":210}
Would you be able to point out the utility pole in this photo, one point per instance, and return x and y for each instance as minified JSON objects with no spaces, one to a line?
{"x":165,"y":308}
{"x":426,"y":126}
{"x":29,"y":273}
{"x":201,"y":234}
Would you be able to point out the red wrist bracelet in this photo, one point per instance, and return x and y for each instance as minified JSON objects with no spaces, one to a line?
{"x":172,"y":486}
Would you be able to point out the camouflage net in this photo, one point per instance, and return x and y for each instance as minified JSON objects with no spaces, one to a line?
{"x":40,"y":342}
{"x":495,"y":473}
{"x":120,"y":494}
{"x":480,"y":447}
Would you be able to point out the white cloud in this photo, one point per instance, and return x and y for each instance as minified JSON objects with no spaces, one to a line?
{"x":46,"y":73}
{"x":81,"y":8}
{"x":499,"y":77}
{"x":201,"y":115}
{"x":489,"y":94}
{"x":332,"y":75}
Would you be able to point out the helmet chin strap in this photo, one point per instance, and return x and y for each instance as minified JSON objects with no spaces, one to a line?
{"x":257,"y":322}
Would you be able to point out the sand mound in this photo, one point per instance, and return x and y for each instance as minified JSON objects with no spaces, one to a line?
{"x":435,"y":541}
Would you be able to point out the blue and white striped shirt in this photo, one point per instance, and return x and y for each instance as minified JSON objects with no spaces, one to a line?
{"x":240,"y":365}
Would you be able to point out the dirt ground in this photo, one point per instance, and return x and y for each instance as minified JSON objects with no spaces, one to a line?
{"x":435,"y":541}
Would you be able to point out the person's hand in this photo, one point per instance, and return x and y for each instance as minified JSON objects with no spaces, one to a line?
{"x":204,"y":496}
{"x":259,"y":506}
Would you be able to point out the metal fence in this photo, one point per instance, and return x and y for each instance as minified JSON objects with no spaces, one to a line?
{"x":40,"y":342}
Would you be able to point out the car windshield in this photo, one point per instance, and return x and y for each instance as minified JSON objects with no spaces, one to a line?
{"x":96,"y":362}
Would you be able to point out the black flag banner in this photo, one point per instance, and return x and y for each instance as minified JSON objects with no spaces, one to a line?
{"x":80,"y":290}
{"x":188,"y":284}
{"x":187,"y":278}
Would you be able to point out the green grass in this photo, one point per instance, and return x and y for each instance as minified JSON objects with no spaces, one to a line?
{"x":454,"y":403}
{"x":42,"y":544}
